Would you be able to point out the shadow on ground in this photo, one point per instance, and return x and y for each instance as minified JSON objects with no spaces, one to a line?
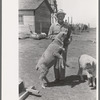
{"x":72,"y":81}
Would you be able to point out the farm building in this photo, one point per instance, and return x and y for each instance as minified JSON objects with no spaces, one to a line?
{"x":35,"y":13}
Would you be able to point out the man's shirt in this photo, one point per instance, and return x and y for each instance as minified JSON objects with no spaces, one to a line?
{"x":56,"y":28}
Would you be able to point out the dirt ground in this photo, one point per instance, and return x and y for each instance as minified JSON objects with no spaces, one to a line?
{"x":30,"y":51}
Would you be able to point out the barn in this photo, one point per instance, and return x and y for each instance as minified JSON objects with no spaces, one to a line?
{"x":36,"y":14}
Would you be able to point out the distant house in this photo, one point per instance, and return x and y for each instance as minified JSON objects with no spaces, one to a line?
{"x":36,"y":14}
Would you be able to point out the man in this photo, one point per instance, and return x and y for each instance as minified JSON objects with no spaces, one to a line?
{"x":55,"y":28}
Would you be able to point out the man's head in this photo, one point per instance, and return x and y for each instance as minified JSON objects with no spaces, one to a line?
{"x":60,"y":15}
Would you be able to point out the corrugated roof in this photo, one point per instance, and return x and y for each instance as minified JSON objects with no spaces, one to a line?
{"x":29,"y":4}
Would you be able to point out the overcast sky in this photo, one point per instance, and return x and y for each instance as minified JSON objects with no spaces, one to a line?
{"x":82,"y":11}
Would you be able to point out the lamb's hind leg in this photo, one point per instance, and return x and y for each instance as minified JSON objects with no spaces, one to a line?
{"x":41,"y":80}
{"x":80,"y":71}
{"x":43,"y":77}
{"x":94,"y":82}
{"x":47,"y":81}
{"x":90,"y":79}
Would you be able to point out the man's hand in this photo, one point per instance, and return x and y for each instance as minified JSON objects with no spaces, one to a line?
{"x":69,"y":40}
{"x":51,"y":36}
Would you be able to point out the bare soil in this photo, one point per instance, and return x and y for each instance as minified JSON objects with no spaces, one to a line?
{"x":30,"y":51}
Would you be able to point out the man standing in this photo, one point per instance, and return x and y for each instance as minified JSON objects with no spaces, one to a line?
{"x":55,"y":28}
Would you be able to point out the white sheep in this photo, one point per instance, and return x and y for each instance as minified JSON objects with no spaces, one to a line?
{"x":88,"y":64}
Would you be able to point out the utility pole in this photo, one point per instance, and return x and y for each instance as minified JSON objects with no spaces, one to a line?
{"x":55,"y":4}
{"x":71,"y":20}
{"x":68,"y":20}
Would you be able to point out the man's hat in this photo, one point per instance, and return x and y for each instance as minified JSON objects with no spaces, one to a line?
{"x":60,"y":12}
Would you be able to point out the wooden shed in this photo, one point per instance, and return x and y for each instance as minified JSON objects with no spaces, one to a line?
{"x":34,"y":13}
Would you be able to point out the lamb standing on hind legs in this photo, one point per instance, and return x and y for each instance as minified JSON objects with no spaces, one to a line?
{"x":88,"y":64}
{"x":51,"y":54}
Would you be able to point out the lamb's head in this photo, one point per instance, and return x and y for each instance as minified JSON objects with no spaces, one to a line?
{"x":61,"y":36}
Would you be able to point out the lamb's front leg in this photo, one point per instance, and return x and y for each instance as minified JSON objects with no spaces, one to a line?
{"x":42,"y":83}
{"x":62,"y":49}
{"x":62,"y":61}
{"x":90,"y":79}
{"x":65,"y":63}
{"x":56,"y":54}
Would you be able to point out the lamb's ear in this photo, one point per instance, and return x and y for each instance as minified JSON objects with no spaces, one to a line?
{"x":93,"y":65}
{"x":88,"y":66}
{"x":66,"y":31}
{"x":63,"y":33}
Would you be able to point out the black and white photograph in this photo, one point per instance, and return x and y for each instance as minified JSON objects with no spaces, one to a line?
{"x":56,"y":50}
